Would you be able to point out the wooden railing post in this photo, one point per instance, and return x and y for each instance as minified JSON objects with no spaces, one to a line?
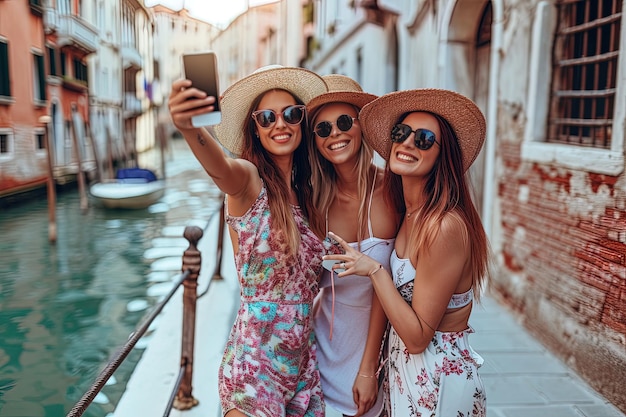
{"x":192,"y":260}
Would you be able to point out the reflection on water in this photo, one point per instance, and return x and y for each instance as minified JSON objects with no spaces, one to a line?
{"x":63,"y":307}
{"x":66,"y":308}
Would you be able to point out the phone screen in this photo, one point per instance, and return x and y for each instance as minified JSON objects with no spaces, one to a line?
{"x":201,"y":69}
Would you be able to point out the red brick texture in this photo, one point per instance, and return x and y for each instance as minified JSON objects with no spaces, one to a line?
{"x":563,"y":264}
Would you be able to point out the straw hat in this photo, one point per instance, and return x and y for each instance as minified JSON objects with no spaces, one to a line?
{"x":378,"y":117}
{"x":237,"y":99}
{"x":341,"y":89}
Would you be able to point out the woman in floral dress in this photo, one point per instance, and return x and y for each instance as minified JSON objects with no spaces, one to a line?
{"x":429,"y":137}
{"x":269,"y":365}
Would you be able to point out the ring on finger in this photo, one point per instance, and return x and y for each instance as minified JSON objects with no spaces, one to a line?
{"x":343,"y":265}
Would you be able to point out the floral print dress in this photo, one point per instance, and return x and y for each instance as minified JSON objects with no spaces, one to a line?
{"x":442,"y":381}
{"x":269,"y":365}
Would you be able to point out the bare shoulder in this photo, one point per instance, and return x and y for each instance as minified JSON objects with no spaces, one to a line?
{"x":453,"y":228}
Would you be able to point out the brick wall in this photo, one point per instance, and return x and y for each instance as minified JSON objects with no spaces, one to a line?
{"x":563,"y":264}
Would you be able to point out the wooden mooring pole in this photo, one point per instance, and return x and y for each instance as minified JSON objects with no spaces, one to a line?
{"x":82,"y":188}
{"x":51,"y":186}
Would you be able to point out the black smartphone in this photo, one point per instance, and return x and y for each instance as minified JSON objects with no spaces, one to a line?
{"x":201,"y":69}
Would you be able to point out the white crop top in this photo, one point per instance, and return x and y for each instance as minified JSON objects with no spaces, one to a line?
{"x":404,"y":275}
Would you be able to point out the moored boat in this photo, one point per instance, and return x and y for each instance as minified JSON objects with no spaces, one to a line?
{"x":133,"y":188}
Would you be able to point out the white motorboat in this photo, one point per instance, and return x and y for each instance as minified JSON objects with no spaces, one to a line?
{"x":132,"y":189}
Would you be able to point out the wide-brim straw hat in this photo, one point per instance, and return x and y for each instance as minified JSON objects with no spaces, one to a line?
{"x":237,"y":99}
{"x":341,"y":89}
{"x":379,"y":116}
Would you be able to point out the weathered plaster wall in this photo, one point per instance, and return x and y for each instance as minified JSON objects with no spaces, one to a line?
{"x":563,"y":258}
{"x":561,"y":236}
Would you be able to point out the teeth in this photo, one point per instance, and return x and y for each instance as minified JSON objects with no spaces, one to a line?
{"x":404,"y":157}
{"x":338,"y":145}
{"x":281,"y":137}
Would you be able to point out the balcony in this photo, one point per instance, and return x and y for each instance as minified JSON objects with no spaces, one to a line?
{"x":71,"y":31}
{"x":131,"y":57}
{"x":132,"y":105}
{"x":36,"y":7}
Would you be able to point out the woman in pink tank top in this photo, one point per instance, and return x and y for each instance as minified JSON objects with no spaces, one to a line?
{"x":348,"y":197}
{"x":429,"y":137}
{"x":269,"y":365}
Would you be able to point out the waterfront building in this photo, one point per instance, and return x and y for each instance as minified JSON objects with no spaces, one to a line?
{"x":550,"y":183}
{"x":24,"y":99}
{"x":63,"y":63}
{"x":105,"y":84}
{"x":247,"y":43}
{"x":139,"y":110}
{"x":70,"y":37}
{"x":175,"y":33}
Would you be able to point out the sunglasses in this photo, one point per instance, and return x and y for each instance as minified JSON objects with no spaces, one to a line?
{"x":292,"y":115}
{"x":424,"y":138}
{"x":343,"y":123}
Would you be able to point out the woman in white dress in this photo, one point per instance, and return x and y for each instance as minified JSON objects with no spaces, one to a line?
{"x":429,"y":137}
{"x":348,"y":196}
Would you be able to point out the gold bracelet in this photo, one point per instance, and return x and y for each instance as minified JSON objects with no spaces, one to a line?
{"x":378,"y":268}
{"x":365,"y":376}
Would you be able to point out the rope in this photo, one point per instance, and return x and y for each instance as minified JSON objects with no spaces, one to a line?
{"x":121,"y":354}
{"x":170,"y":402}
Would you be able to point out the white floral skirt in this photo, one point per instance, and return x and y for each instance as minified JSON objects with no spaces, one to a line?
{"x":442,"y":381}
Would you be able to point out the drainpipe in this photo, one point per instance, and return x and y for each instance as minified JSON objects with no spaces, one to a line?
{"x":489,"y":184}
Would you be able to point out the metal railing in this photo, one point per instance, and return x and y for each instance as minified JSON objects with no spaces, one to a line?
{"x":182,"y":396}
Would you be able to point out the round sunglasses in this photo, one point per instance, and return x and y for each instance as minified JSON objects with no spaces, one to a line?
{"x":343,"y":123}
{"x":292,"y":115}
{"x":424,"y":138}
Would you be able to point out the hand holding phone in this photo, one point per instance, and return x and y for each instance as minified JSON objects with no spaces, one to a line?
{"x":328,"y":264}
{"x":201,"y":69}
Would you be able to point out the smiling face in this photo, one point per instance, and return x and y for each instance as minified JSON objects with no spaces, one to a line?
{"x":406,"y":159}
{"x":281,"y":138}
{"x":340,"y":146}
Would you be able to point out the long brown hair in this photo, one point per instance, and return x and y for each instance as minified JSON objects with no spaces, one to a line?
{"x":276,"y":183}
{"x":324,"y":180}
{"x":447,"y":191}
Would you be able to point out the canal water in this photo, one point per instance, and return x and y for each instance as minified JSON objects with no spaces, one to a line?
{"x":66,"y":308}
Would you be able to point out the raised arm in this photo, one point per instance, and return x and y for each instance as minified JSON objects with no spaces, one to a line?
{"x":238,"y":178}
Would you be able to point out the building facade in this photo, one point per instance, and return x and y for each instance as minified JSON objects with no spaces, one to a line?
{"x":71,"y":38}
{"x":23,"y":97}
{"x":550,"y":182}
{"x":105,"y":86}
{"x":176,"y":33}
{"x":76,"y":79}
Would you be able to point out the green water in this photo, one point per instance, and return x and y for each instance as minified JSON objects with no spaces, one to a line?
{"x":63,"y":307}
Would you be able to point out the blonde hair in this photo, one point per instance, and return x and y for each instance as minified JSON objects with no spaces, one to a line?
{"x":324,"y":177}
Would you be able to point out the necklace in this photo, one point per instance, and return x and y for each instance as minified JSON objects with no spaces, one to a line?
{"x":409,"y":214}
